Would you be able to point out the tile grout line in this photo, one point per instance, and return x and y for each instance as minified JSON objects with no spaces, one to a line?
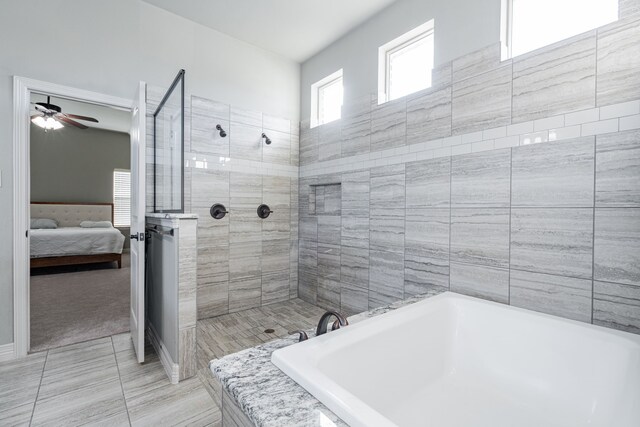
{"x":124,"y":397}
{"x":44,"y":365}
{"x":510,"y":213}
{"x":593,"y":227}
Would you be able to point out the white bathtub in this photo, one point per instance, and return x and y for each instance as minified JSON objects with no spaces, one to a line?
{"x":453,"y":360}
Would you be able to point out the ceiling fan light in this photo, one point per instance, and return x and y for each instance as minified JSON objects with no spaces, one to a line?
{"x":47,"y":123}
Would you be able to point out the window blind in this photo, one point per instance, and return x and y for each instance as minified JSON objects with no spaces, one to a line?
{"x":121,"y":198}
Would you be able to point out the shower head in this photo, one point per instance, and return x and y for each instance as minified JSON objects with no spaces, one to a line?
{"x":267,"y":140}
{"x":222,"y":132}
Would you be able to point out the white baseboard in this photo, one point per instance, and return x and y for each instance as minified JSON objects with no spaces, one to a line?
{"x":7,"y":352}
{"x":172,"y":369}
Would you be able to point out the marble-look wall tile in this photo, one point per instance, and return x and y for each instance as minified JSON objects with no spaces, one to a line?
{"x":481,"y":179}
{"x":213,"y":300}
{"x":275,"y":255}
{"x":354,"y":266}
{"x":480,"y":236}
{"x":555,"y":241}
{"x":617,"y":245}
{"x":428,"y":184}
{"x":386,"y":283}
{"x":244,"y":294}
{"x":205,"y":116}
{"x":331,"y":200}
{"x":616,"y":306}
{"x":329,"y":141}
{"x":480,"y":281}
{"x":353,"y":299}
{"x":278,"y":124}
{"x":555,"y":79}
{"x":560,"y":296}
{"x":329,"y":229}
{"x":426,"y":262}
{"x":387,"y":233}
{"x":309,"y":228}
{"x":626,"y":8}
{"x":483,"y":101}
{"x":477,"y":62}
{"x":442,"y":75}
{"x":618,"y":62}
{"x":618,"y":169}
{"x":388,"y":125}
{"x":246,"y":117}
{"x":429,"y":115}
{"x":275,"y":287}
{"x":559,"y":174}
{"x":187,"y":353}
{"x":355,"y":194}
{"x":328,"y":293}
{"x":387,"y":196}
{"x":279,"y":151}
{"x":356,"y":127}
{"x":245,"y":142}
{"x":308,"y":145}
{"x":294,"y":153}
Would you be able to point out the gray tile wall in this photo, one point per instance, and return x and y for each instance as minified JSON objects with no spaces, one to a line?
{"x":243,"y":261}
{"x":448,"y":188}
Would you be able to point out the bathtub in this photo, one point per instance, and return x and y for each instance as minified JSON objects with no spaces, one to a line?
{"x":453,"y":360}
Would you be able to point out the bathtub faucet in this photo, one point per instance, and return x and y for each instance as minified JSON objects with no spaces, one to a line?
{"x":324,"y":322}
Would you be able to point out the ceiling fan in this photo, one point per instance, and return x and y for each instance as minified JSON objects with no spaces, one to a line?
{"x":50,"y":116}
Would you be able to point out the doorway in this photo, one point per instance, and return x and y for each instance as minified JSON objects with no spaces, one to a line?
{"x":24,"y":90}
{"x":80,"y":166}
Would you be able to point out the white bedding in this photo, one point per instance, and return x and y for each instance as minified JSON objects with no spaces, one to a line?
{"x":75,"y":241}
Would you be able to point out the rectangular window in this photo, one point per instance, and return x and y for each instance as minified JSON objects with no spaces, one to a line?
{"x":121,"y":198}
{"x":405,"y":64}
{"x":326,"y":99}
{"x":531,"y":24}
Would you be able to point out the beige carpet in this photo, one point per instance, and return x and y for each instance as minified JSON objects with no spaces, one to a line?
{"x":78,"y":303}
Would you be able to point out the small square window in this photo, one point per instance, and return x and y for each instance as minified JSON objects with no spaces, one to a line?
{"x":326,"y":99}
{"x":531,"y":24}
{"x":405,"y":64}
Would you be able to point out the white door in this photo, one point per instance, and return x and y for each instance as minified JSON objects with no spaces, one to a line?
{"x":138,"y":208}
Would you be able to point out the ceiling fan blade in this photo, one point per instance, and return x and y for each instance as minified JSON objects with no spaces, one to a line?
{"x":85,"y":118}
{"x":68,"y":121}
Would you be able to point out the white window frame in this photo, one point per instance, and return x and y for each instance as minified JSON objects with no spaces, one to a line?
{"x":385,"y":51}
{"x":118,"y":224}
{"x":506,"y":29}
{"x":316,"y":88}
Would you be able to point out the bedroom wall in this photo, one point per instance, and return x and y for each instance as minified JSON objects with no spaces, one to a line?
{"x":74,"y":165}
{"x":109,"y":47}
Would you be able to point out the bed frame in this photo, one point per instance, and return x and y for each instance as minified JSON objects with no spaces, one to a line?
{"x":70,"y":215}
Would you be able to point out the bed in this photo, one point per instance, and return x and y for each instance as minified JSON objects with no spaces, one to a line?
{"x":70,"y":244}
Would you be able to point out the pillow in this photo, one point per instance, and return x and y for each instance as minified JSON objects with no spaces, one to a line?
{"x":96,"y":224}
{"x":43,"y":223}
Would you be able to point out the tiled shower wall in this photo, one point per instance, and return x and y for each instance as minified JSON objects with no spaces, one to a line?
{"x":516,"y":181}
{"x":243,"y":261}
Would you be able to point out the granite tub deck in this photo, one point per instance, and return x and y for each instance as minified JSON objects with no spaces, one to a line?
{"x":266,"y":396}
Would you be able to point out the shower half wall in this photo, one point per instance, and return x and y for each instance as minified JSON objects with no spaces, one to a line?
{"x":243,"y":261}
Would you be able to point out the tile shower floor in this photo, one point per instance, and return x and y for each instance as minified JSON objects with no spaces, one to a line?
{"x":99,"y":382}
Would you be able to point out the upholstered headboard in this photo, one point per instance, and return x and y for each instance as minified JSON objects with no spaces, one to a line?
{"x":72,"y":214}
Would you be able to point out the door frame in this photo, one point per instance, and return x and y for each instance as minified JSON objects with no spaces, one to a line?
{"x":22,"y":89}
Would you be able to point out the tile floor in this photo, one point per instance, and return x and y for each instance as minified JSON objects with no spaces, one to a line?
{"x":99,"y":382}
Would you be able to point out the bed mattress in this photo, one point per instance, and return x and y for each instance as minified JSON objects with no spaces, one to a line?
{"x":68,"y":241}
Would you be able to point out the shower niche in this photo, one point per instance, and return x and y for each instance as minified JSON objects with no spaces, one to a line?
{"x":325,"y":199}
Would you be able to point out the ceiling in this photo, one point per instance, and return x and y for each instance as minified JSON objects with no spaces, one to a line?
{"x":108,"y":118}
{"x":295,"y":29}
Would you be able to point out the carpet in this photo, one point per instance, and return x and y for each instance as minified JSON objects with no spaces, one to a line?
{"x":79,"y":303}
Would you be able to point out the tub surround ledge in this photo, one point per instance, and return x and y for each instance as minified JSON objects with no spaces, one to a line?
{"x":266,"y":395}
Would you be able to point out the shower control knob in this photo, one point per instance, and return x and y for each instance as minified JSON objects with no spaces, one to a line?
{"x":218,"y":211}
{"x":264,"y":211}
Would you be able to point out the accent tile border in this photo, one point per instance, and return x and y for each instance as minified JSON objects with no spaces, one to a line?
{"x":609,"y":119}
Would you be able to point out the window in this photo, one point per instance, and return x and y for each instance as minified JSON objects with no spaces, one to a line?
{"x":121,"y":198}
{"x":326,"y":99}
{"x":531,"y":24}
{"x":405,"y":64}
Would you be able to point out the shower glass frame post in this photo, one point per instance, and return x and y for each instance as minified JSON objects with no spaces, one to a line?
{"x":179,"y":80}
